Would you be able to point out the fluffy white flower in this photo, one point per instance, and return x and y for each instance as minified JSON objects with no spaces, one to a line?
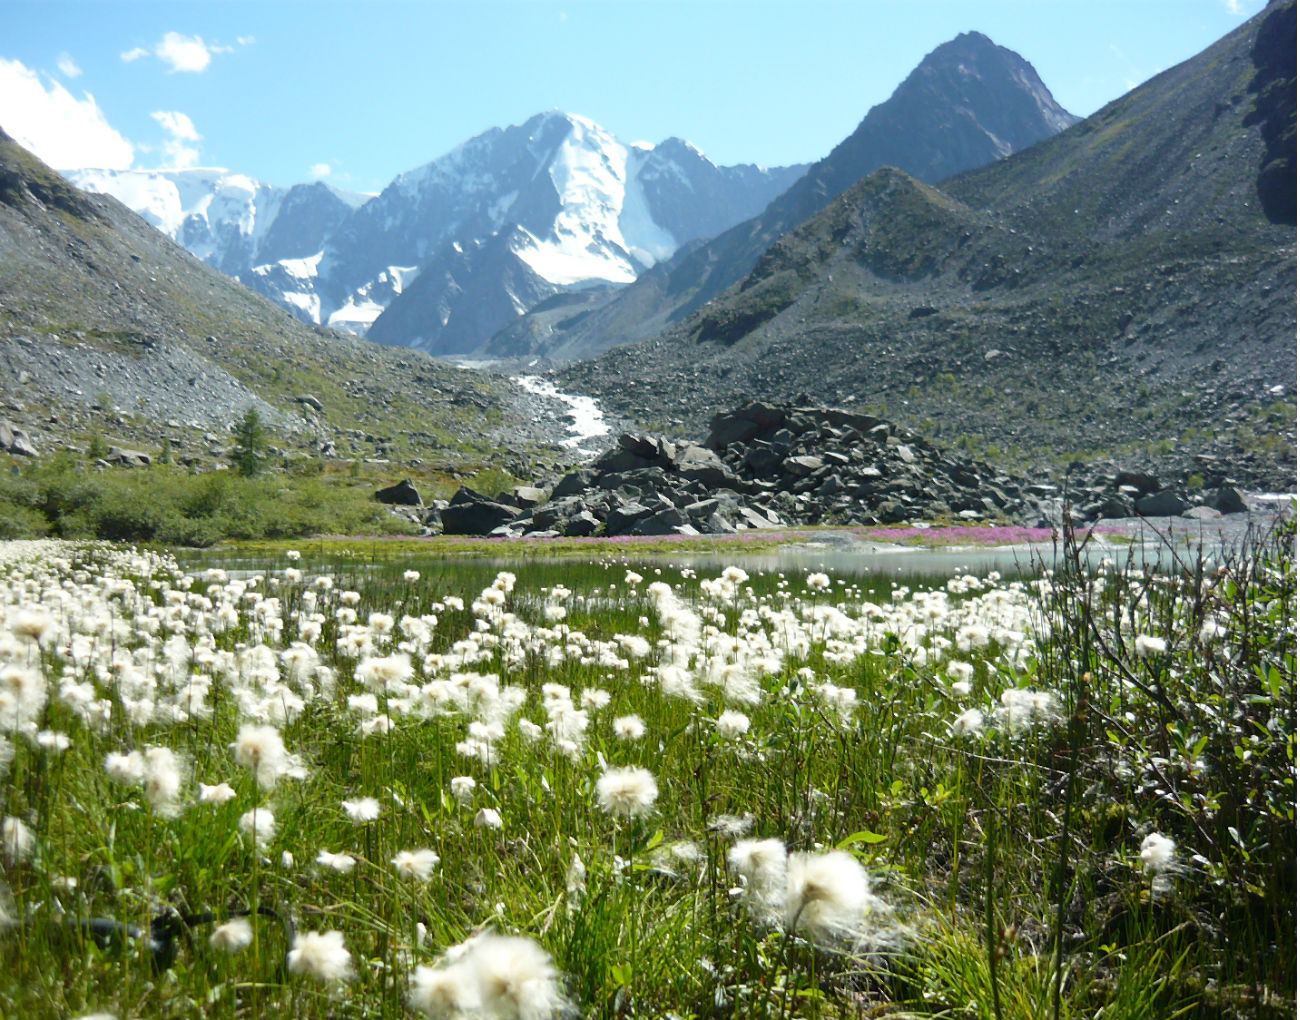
{"x":629,"y":727}
{"x":827,"y":895}
{"x":1148,"y":645}
{"x":732,"y":725}
{"x":1157,"y":853}
{"x":487,"y":818}
{"x":218,"y":794}
{"x":462,"y":788}
{"x":417,"y":865}
{"x":361,"y":810}
{"x":232,"y":937}
{"x":342,"y":863}
{"x":629,"y":792}
{"x":261,"y":749}
{"x":818,"y":582}
{"x":970,"y":722}
{"x":259,"y":823}
{"x":320,"y":955}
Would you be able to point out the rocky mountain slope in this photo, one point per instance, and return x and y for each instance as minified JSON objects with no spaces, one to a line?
{"x":968,"y":103}
{"x":1126,"y":287}
{"x":108,"y":328}
{"x":512,"y":216}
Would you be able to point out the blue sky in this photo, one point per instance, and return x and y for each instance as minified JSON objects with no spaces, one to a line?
{"x":357,"y":92}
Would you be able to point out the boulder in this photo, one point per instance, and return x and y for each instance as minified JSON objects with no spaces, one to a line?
{"x":1140,"y":480}
{"x":310,"y":401}
{"x":403,"y":493}
{"x":1228,"y":500}
{"x":472,"y":513}
{"x":1165,"y":503}
{"x":127,"y":458}
{"x":14,"y":440}
{"x":581,"y":524}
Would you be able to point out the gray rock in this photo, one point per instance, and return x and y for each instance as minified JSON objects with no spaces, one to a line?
{"x":14,"y":440}
{"x":1228,"y":500}
{"x":528,"y":495}
{"x":310,"y":401}
{"x":622,"y":519}
{"x":404,"y":493}
{"x":581,"y":524}
{"x":1165,"y":503}
{"x":1140,"y":480}
{"x":471,"y":513}
{"x":128,"y":458}
{"x":801,"y":466}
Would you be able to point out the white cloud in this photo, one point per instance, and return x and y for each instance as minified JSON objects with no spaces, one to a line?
{"x":64,"y":131}
{"x":320,"y":170}
{"x":187,"y":53}
{"x":245,"y":40}
{"x":1234,"y":6}
{"x":178,"y":148}
{"x":184,"y":52}
{"x":68,"y":67}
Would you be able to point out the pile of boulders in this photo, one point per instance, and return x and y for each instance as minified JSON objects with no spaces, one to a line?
{"x":770,"y":466}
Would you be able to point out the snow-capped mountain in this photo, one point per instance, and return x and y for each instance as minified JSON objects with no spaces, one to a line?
{"x":230,"y":220}
{"x":512,"y":216}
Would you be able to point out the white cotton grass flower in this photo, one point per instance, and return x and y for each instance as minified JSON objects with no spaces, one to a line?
{"x":259,"y":825}
{"x":260,"y":748}
{"x":732,"y":725}
{"x":828,"y":895}
{"x":462,"y":788}
{"x":217,"y":795}
{"x":487,"y":818}
{"x":342,"y":863}
{"x":969,"y":724}
{"x":1159,"y":860}
{"x":416,"y":865}
{"x":233,"y":937}
{"x":628,"y":792}
{"x":629,"y":727}
{"x":362,"y":809}
{"x":321,"y":955}
{"x":16,"y":839}
{"x":443,"y":993}
{"x":127,"y":769}
{"x":1147,"y":646}
{"x":164,"y":774}
{"x":818,"y":582}
{"x":506,"y":977}
{"x":731,"y":826}
{"x":1157,"y":853}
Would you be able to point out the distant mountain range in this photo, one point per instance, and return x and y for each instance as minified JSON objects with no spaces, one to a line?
{"x":1127,"y":284}
{"x":506,"y":219}
{"x":968,"y":103}
{"x":454,"y":252}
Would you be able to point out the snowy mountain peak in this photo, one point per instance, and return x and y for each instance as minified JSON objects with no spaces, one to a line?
{"x":555,"y":202}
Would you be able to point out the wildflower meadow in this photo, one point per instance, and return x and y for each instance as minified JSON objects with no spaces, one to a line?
{"x":428,"y":785}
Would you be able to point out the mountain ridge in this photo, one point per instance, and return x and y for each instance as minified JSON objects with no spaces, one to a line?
{"x":1157,"y":321}
{"x":969,"y":101}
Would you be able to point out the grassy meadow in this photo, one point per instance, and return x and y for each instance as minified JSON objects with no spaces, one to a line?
{"x":406,"y":784}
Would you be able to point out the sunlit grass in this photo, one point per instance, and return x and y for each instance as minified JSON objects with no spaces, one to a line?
{"x":952,"y":788}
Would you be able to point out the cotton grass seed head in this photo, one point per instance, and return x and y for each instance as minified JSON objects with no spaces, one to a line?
{"x":827,"y":895}
{"x":234,"y":936}
{"x":416,"y":865}
{"x":361,"y":810}
{"x":628,"y":792}
{"x":320,"y":955}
